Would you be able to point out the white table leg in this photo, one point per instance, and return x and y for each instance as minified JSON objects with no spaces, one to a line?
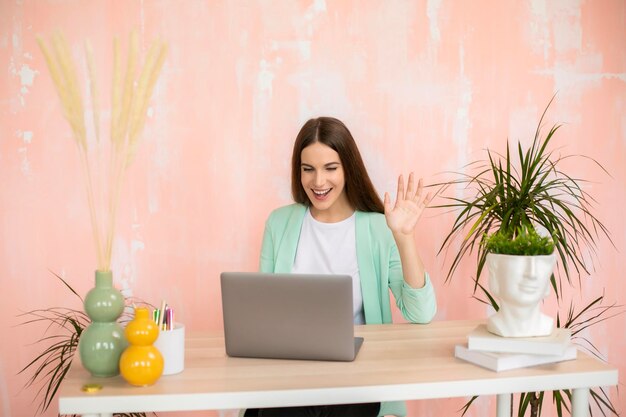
{"x":503,"y":405}
{"x":580,"y":402}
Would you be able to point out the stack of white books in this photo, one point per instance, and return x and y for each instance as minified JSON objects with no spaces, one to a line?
{"x":504,"y":353}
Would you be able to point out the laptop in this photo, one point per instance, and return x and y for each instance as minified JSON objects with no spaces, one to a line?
{"x":289,"y":316}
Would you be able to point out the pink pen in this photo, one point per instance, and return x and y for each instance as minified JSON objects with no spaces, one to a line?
{"x":170,"y":316}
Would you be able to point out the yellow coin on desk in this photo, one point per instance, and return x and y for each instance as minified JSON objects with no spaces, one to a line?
{"x":91,"y":388}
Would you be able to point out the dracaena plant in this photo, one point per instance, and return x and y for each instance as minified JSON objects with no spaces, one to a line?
{"x":510,"y":196}
{"x":523,"y":190}
{"x":63,"y":328}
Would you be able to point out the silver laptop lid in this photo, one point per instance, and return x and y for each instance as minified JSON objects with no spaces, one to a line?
{"x":288,"y":316}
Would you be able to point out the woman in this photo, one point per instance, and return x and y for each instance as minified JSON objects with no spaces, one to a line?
{"x":339,"y":225}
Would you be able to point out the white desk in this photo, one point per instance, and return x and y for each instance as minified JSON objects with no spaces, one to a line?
{"x":396,"y":362}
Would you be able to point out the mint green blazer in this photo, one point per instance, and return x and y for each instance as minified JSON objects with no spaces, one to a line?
{"x":380,"y":270}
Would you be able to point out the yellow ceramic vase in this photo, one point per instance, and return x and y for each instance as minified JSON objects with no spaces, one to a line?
{"x":141,"y":363}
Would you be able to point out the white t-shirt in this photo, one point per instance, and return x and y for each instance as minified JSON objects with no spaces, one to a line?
{"x":330,"y":248}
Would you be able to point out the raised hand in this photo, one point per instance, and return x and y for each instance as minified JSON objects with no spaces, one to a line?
{"x":407,"y":210}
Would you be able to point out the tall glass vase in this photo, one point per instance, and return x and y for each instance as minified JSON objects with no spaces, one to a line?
{"x":102,"y":342}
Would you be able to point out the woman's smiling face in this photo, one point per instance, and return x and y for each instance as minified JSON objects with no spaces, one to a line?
{"x":323,"y":180}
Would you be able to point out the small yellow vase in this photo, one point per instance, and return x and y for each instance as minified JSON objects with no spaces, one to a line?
{"x":141,"y":363}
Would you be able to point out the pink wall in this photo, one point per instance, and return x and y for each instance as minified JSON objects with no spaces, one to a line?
{"x":423,"y":85}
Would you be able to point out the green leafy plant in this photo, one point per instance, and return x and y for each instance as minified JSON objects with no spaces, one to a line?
{"x":524,"y":190}
{"x":63,"y":328}
{"x":525,"y":242}
{"x":512,"y":195}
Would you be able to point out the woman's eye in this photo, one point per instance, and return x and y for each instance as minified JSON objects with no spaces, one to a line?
{"x":307,"y":169}
{"x":331,"y":169}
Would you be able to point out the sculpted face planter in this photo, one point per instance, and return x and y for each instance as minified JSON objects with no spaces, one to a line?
{"x":520,"y":283}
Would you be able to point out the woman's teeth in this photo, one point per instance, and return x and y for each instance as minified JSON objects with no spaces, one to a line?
{"x":321,"y":193}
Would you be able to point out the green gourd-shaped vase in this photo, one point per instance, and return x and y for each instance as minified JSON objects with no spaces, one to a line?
{"x":102,"y":342}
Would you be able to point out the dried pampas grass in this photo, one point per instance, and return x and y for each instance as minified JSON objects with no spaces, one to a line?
{"x":130,"y":95}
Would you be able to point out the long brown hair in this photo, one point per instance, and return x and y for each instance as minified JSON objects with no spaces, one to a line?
{"x":333,"y":133}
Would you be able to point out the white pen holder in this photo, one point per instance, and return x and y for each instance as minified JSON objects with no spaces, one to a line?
{"x":171,"y":344}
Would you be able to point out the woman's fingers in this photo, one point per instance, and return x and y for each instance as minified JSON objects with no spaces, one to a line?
{"x":427,"y":199}
{"x":420,"y":190}
{"x":410,"y":192}
{"x":416,"y":195}
{"x":400,"y":194}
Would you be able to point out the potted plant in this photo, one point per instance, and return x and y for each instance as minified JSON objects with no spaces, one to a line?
{"x":520,"y":263}
{"x":522,"y":203}
{"x":64,"y":328}
{"x":528,"y":192}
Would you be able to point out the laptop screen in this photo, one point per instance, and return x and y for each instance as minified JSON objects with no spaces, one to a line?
{"x":288,"y":316}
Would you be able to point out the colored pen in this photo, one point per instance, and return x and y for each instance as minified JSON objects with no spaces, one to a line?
{"x":170,"y":319}
{"x":161,"y":315}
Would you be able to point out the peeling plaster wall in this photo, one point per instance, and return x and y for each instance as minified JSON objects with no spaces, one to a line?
{"x":423,"y":85}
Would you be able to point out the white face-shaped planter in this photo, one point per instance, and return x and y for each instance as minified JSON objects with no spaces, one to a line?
{"x":520,"y":283}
